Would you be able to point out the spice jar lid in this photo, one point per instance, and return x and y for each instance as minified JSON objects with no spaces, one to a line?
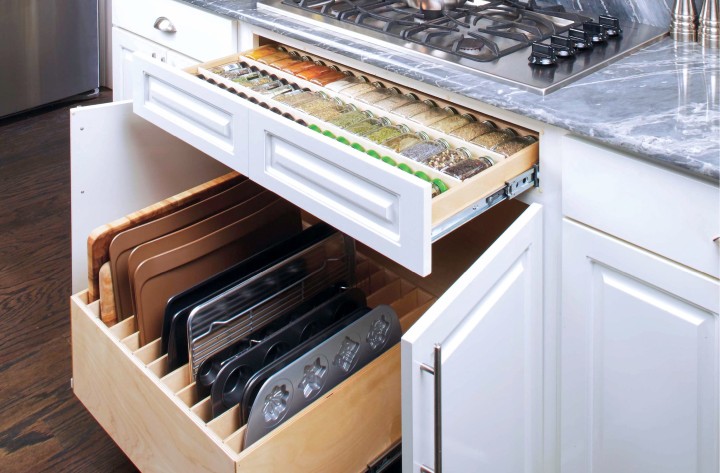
{"x":423,"y":176}
{"x":294,"y":54}
{"x":424,"y":136}
{"x":358,"y":147}
{"x":318,"y":62}
{"x":444,"y":143}
{"x":510,"y":132}
{"x":439,"y":185}
{"x":329,"y":134}
{"x":314,"y":127}
{"x":412,"y":96}
{"x":385,"y":121}
{"x":282,"y":49}
{"x":306,"y":58}
{"x":403,"y":128}
{"x":464,"y":152}
{"x":490,"y":123}
{"x":451,"y":110}
{"x":469,"y":117}
{"x":334,"y":68}
{"x":379,"y":85}
{"x":405,"y":167}
{"x":395,"y":91}
{"x":373,"y":153}
{"x":430,"y":102}
{"x":389,"y":160}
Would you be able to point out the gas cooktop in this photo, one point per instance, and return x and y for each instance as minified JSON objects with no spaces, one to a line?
{"x":535,"y":47}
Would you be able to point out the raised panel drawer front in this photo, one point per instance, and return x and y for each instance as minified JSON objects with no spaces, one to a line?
{"x":192,"y":111}
{"x":198,"y":33}
{"x":640,"y":360}
{"x":389,"y":212}
{"x":666,"y":212}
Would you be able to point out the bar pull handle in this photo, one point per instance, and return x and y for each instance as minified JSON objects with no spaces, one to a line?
{"x":164,"y":25}
{"x":436,"y":371}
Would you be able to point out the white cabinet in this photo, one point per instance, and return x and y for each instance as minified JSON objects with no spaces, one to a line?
{"x":640,"y":360}
{"x":472,"y":365}
{"x":174,"y":32}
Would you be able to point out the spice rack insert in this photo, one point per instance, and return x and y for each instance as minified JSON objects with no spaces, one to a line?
{"x":460,"y":194}
{"x":157,"y":419}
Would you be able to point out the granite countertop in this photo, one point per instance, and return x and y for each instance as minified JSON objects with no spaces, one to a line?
{"x":662,"y":102}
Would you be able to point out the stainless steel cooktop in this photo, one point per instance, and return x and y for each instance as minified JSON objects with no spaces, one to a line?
{"x":496,"y":38}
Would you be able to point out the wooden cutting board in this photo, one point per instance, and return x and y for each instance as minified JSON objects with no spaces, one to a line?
{"x":100,"y":238}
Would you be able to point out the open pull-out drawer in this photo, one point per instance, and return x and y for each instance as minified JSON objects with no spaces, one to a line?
{"x":480,"y":397}
{"x":380,"y":205}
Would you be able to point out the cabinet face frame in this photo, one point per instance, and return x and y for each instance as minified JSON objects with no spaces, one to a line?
{"x":624,"y":311}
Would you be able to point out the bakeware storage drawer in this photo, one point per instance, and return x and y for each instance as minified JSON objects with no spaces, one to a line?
{"x":382,"y":206}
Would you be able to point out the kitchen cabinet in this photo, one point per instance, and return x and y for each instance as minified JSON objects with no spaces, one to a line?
{"x":640,"y":303}
{"x":641,"y":356}
{"x":174,"y":32}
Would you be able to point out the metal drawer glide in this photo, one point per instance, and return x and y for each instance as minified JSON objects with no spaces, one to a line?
{"x":513,"y":188}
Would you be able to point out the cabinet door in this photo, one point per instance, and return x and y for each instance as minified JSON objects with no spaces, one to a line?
{"x":639,"y":360}
{"x":482,"y":406}
{"x":124,"y":44}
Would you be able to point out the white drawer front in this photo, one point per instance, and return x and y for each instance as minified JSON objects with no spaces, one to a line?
{"x":198,"y":34}
{"x":192,"y":110}
{"x":379,"y":206}
{"x":666,"y":212}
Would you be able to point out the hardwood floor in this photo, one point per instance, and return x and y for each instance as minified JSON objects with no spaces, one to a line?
{"x":43,"y":427}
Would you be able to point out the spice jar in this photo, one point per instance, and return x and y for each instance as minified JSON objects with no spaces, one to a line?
{"x":343,"y":83}
{"x":272,"y":92}
{"x":273,"y":84}
{"x":260,"y":52}
{"x":431,"y":116}
{"x":358,"y":89}
{"x":424,"y":150}
{"x":473,"y":130}
{"x":313,"y":72}
{"x":332,"y":113}
{"x":494,"y":138}
{"x":451,"y":123}
{"x":447,"y":158}
{"x":327,"y":78}
{"x":273,"y":57}
{"x":321,"y":103}
{"x":395,"y":101}
{"x":350,"y":118}
{"x":404,"y":141}
{"x":376,"y":95}
{"x":512,"y":146}
{"x":301,"y":66}
{"x":233,"y":66}
{"x":245,"y":78}
{"x":386,"y":133}
{"x":292,"y":60}
{"x":367,"y":126}
{"x":296,"y":98}
{"x":413,"y":109}
{"x":468,"y":168}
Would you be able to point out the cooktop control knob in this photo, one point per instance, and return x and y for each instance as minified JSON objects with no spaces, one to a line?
{"x":542,"y":55}
{"x":596,"y":31}
{"x":611,"y":26}
{"x":564,"y":47}
{"x":582,"y":40}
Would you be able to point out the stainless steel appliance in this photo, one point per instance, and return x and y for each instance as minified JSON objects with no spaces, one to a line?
{"x":48,"y":51}
{"x":538,"y":47}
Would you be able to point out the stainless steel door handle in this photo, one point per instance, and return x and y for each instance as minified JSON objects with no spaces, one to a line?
{"x":436,"y":371}
{"x":164,"y":25}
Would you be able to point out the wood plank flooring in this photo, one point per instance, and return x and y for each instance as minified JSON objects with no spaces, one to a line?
{"x":43,"y":427}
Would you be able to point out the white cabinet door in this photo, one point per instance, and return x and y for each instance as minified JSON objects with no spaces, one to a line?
{"x":488,"y":326}
{"x":640,"y":357}
{"x":124,"y":44}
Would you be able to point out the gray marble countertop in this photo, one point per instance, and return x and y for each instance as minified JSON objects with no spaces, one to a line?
{"x":662,"y":102}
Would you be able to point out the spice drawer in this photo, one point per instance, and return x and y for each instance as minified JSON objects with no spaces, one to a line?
{"x":380,"y":205}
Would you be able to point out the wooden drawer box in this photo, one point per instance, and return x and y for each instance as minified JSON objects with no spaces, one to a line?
{"x":157,"y":420}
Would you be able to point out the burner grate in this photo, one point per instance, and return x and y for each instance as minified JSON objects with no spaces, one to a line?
{"x":482,"y":32}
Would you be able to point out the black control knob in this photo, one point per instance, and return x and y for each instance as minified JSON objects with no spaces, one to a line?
{"x":563,"y":47}
{"x":611,"y":26}
{"x":542,"y":55}
{"x":596,"y":30}
{"x":582,"y":40}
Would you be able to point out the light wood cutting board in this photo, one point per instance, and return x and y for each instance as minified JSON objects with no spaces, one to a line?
{"x":100,"y":238}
